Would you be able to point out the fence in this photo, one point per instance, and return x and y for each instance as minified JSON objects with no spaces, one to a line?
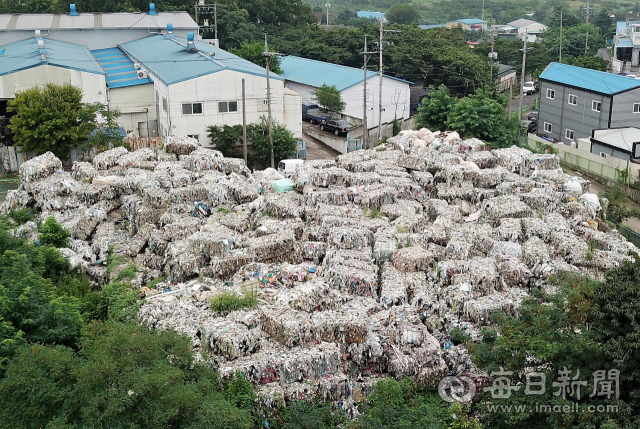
{"x":630,"y":235}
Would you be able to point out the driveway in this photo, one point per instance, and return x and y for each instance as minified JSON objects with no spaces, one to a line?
{"x":315,"y":148}
{"x":527,"y":100}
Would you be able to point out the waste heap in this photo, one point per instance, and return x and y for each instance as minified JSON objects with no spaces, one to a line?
{"x":360,"y":272}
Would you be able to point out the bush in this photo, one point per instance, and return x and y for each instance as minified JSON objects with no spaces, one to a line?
{"x":52,"y":233}
{"x":228,"y":301}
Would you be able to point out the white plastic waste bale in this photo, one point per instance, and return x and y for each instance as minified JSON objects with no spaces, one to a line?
{"x":452,"y":137}
{"x":572,"y":186}
{"x":39,"y":167}
{"x":592,"y":203}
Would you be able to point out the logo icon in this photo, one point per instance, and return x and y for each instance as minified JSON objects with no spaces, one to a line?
{"x":457,"y":389}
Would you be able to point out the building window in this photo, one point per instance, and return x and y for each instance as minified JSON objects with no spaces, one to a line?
{"x":604,"y":155}
{"x":191,"y":108}
{"x":573,"y":99}
{"x":547,"y":127}
{"x":227,"y":106}
{"x":636,"y":107}
{"x":596,"y":106}
{"x":194,"y":136}
{"x":569,"y":134}
{"x":164,"y":105}
{"x":551,"y":94}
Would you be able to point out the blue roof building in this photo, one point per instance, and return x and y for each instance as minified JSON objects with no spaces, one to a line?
{"x":304,"y":76}
{"x":626,"y":44}
{"x":574,"y":101}
{"x":370,"y":15}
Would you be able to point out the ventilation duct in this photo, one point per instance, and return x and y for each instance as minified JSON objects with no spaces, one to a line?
{"x":73,"y":10}
{"x":152,"y":9}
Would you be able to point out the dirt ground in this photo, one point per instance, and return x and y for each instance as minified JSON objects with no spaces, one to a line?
{"x":315,"y":148}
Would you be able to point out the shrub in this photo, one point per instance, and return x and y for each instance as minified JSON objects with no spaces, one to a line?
{"x":228,"y":301}
{"x":51,"y":232}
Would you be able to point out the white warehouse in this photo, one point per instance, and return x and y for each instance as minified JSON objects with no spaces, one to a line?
{"x":304,"y":76}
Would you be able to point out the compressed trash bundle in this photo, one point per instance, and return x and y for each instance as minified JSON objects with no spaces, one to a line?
{"x":486,"y":178}
{"x":410,"y":259}
{"x":350,"y":238}
{"x":142,"y":158}
{"x":540,"y":199}
{"x":533,"y":226}
{"x":230,"y":339}
{"x":535,"y":251}
{"x":483,"y":159}
{"x":400,"y":208}
{"x":83,"y":171}
{"x":330,"y":176}
{"x":287,"y":326}
{"x":153,"y":195}
{"x":272,"y":247}
{"x":512,"y":158}
{"x":180,"y":145}
{"x":321,"y":163}
{"x":333,"y":195}
{"x":283,"y":206}
{"x":313,"y":249}
{"x":39,"y":167}
{"x":555,"y":176}
{"x":509,"y":230}
{"x":359,"y":281}
{"x":449,"y":193}
{"x":201,"y":159}
{"x":546,"y":161}
{"x":479,"y":310}
{"x":506,"y":206}
{"x":411,"y":223}
{"x":512,"y":271}
{"x":109,"y":158}
{"x":375,"y":195}
{"x":311,"y":296}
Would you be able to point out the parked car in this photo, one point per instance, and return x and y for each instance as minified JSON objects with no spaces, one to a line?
{"x":530,"y":126}
{"x":313,"y":114}
{"x":533,"y":116}
{"x":528,"y":88}
{"x":338,"y":127}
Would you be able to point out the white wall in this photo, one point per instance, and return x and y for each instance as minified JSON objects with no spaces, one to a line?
{"x":395,"y":100}
{"x":214,"y":88}
{"x":531,"y":28}
{"x":305,"y":91}
{"x":293,"y":112}
{"x":137,"y":106}
{"x":94,"y":88}
{"x":98,"y":38}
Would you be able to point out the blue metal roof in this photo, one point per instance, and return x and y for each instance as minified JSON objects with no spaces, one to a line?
{"x":25,"y":54}
{"x":119,"y":68}
{"x":624,"y":42}
{"x":469,"y":21}
{"x":428,"y":26}
{"x":621,"y":25}
{"x":370,"y":15}
{"x":316,"y":73}
{"x":169,"y":61}
{"x":587,"y":79}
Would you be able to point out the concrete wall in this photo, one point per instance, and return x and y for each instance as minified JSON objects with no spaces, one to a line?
{"x":94,"y":88}
{"x":581,"y":118}
{"x":98,"y":38}
{"x":137,"y":105}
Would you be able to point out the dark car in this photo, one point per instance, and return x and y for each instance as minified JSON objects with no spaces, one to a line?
{"x":530,"y":126}
{"x":533,"y":116}
{"x":338,"y":127}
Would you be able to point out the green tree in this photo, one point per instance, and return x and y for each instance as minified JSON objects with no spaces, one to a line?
{"x":605,"y":23}
{"x":480,"y":116}
{"x":590,"y":62}
{"x":330,"y":98}
{"x":51,"y":232}
{"x":403,"y":14}
{"x":433,"y":111}
{"x":574,"y":40}
{"x":53,"y":118}
{"x":253,"y":52}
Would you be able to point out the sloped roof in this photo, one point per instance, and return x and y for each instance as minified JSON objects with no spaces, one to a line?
{"x":622,"y":138}
{"x":587,"y":79}
{"x":119,"y":68}
{"x":61,"y":21}
{"x":469,"y":21}
{"x":316,"y":73}
{"x":167,"y":58}
{"x":370,"y":15}
{"x":522,"y":22}
{"x":25,"y":54}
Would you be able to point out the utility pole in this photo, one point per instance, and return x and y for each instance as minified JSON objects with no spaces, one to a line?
{"x":207,"y":9}
{"x":215,"y":20}
{"x":365,"y":128}
{"x":524,"y":64}
{"x":382,"y":31}
{"x":244,"y":125}
{"x":560,"y":59}
{"x":586,"y":43}
{"x":328,"y":6}
{"x":267,"y":55}
{"x":510,"y":96}
{"x":588,"y":9}
{"x":491,"y":55}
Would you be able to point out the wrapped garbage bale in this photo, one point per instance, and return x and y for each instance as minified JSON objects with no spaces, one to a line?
{"x":143,"y":158}
{"x":423,"y":178}
{"x":486,"y":178}
{"x":317,"y":213}
{"x":398,"y":286}
{"x":321,"y":163}
{"x":313,"y":250}
{"x":483,"y":159}
{"x":556,"y":176}
{"x":375,"y":195}
{"x":272,"y":247}
{"x":509,"y":229}
{"x":39,"y":167}
{"x":512,"y":158}
{"x":384,"y":244}
{"x":330,"y":176}
{"x":153,"y":195}
{"x":361,"y":281}
{"x":182,"y":228}
{"x":478,"y":311}
{"x":230,"y":339}
{"x":287,"y":326}
{"x":576,"y":185}
{"x":351,"y":238}
{"x":212,"y":243}
{"x":109,"y":158}
{"x":506,"y":249}
{"x":513,"y":272}
{"x":311,"y":296}
{"x":533,"y":226}
{"x":411,"y":223}
{"x":338,"y":326}
{"x":540,"y":199}
{"x":83,"y":172}
{"x":506,"y":206}
{"x":452,"y":192}
{"x":546,"y":161}
{"x":535,"y":251}
{"x":335,"y":195}
{"x":15,"y":199}
{"x":571,"y":248}
{"x":472,"y":145}
{"x":458,"y":249}
{"x":180,"y":145}
{"x":284,"y":206}
{"x":556,"y":222}
{"x":521,"y":184}
{"x":201,"y":159}
{"x":352,"y":160}
{"x":411,"y":259}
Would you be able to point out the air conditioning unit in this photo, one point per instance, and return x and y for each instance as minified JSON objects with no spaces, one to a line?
{"x":142,"y":74}
{"x":137,"y":66}
{"x":604,"y":155}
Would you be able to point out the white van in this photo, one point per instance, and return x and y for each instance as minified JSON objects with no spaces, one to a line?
{"x":287,"y":167}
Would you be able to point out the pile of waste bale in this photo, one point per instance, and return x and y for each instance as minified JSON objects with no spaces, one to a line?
{"x":359,"y":272}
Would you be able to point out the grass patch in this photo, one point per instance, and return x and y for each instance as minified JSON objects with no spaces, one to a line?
{"x":127,"y":274}
{"x":267,"y":213}
{"x":374,"y":212}
{"x":114,"y":261}
{"x":228,"y":301}
{"x":156,"y":281}
{"x":224,"y":210}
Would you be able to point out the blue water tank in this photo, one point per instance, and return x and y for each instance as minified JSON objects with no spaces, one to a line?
{"x":73,"y":10}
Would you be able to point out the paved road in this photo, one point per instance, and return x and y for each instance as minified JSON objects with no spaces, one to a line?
{"x":315,"y":148}
{"x":528,"y":100}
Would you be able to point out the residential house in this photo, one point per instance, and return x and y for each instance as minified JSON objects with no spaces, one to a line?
{"x":468,"y":24}
{"x":304,"y":76}
{"x":626,"y":43}
{"x":621,"y":143}
{"x":504,"y":31}
{"x":197,"y":85}
{"x":574,"y":101}
{"x":506,"y":77}
{"x":526,"y":26}
{"x":93,"y":30}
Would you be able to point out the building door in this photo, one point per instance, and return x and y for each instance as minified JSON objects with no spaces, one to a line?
{"x":142,"y":129}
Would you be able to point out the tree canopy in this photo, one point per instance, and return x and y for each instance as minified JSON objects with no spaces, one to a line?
{"x":329,"y":97}
{"x":253,"y":52}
